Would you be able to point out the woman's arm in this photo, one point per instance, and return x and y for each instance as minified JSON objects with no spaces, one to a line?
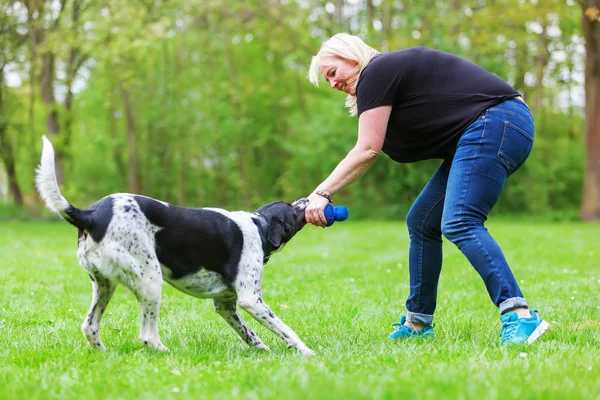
{"x":372,"y":126}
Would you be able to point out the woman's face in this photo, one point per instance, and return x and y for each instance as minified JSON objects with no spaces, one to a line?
{"x":341,"y":74}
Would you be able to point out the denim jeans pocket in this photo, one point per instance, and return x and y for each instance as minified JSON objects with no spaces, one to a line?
{"x":515,"y":146}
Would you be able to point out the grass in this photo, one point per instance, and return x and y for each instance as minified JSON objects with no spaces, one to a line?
{"x":340,"y":289}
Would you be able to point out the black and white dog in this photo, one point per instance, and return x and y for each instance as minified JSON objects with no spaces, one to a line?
{"x":204,"y":252}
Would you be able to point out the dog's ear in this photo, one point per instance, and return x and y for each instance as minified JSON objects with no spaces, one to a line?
{"x":276,"y":232}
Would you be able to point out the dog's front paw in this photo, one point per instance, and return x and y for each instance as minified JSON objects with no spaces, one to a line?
{"x":305,"y":351}
{"x":162,"y":347}
{"x":155,"y":345}
{"x":262,"y":346}
{"x":98,"y":346}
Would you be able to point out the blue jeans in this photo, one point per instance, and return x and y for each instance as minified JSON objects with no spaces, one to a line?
{"x":456,"y":202}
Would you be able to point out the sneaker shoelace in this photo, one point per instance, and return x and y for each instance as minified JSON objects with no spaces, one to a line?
{"x":509,"y":329}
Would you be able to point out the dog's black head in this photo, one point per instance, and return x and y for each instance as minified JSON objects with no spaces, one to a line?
{"x":284,"y":220}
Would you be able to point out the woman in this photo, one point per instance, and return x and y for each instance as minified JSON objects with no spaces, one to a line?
{"x":419,"y":104}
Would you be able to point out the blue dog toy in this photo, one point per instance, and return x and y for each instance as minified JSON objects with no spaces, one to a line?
{"x":332,"y":214}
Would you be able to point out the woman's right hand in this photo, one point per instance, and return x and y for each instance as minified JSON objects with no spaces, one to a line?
{"x":314,"y":212}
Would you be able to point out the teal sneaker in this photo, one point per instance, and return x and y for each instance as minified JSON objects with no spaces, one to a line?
{"x":517,"y":330}
{"x":403,"y":332}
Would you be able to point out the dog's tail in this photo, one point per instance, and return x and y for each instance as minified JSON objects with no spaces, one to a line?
{"x":46,"y":184}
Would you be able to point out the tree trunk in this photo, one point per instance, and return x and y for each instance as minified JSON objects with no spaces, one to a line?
{"x":243,"y":148}
{"x":590,"y":207}
{"x":34,"y":10}
{"x":455,"y":28}
{"x":134,"y":180}
{"x":76,"y":60}
{"x":520,"y":70}
{"x":6,"y":149}
{"x":9,"y":165}
{"x":67,"y":131}
{"x":179,"y":144}
{"x":542,"y":62}
{"x":386,"y":21}
{"x":370,"y":19}
{"x":113,"y":127}
{"x":47,"y":88}
{"x":339,"y":12}
{"x":52,"y":125}
{"x":112,"y":109}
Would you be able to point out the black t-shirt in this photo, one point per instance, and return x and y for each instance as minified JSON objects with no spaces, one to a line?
{"x":434,"y":97}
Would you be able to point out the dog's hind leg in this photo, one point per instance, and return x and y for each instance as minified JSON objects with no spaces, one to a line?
{"x":251,"y":301}
{"x":228,"y":310}
{"x":140,"y":272}
{"x":102,"y":291}
{"x":148,"y":294}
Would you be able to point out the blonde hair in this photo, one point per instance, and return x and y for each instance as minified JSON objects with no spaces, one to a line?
{"x":347,"y":47}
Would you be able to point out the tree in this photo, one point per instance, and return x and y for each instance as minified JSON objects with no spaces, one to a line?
{"x":590,"y":21}
{"x":44,"y":20}
{"x":10,"y":43}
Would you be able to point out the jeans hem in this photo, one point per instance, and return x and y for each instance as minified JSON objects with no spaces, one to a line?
{"x":420,"y":318}
{"x":512,"y":303}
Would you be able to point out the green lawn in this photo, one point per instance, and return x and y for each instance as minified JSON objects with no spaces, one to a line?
{"x":339,"y":289}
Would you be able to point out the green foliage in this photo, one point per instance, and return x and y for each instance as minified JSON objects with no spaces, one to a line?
{"x":205,"y":103}
{"x":552,"y":177}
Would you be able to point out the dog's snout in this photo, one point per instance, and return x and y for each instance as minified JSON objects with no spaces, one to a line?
{"x":299,"y":207}
{"x":300,"y":204}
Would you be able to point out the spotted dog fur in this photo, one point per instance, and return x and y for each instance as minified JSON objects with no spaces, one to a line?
{"x":213,"y":253}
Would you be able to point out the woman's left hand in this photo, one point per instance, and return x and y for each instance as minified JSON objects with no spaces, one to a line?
{"x":314,"y":213}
